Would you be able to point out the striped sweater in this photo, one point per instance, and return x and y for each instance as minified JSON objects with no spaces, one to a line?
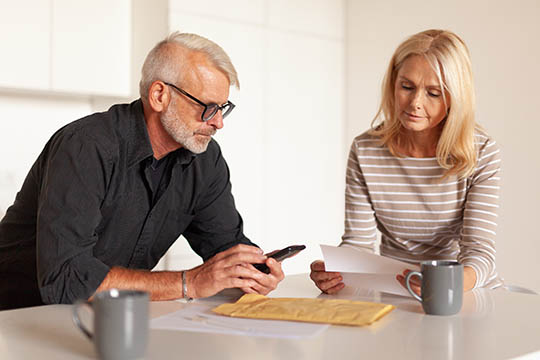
{"x":419,"y":215}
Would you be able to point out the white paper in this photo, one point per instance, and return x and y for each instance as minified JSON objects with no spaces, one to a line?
{"x":199,"y":318}
{"x":363,"y":270}
{"x":380,"y":282}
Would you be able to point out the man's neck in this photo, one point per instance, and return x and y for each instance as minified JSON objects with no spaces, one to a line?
{"x":162,"y":143}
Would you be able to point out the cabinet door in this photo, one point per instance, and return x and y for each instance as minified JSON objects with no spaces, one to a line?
{"x":25,"y":40}
{"x":91,"y":45}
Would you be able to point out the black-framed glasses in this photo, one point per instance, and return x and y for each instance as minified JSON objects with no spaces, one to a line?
{"x":210,"y":110}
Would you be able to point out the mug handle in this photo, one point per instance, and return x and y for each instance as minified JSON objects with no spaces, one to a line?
{"x":76,"y":319}
{"x":407,"y":282}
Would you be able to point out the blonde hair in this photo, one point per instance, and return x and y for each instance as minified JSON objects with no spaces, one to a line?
{"x":450,"y":60}
{"x":160,"y":65}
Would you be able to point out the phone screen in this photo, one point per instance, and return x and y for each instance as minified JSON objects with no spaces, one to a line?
{"x":280,"y":256}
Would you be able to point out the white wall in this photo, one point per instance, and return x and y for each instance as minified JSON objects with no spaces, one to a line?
{"x":284,"y":140}
{"x":287,"y":140}
{"x":27,"y":124}
{"x":504,"y":40}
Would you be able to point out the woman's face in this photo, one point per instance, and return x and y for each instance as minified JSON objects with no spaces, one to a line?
{"x":418,"y":96}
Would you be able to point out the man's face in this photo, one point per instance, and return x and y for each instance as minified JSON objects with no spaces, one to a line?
{"x":182,"y":118}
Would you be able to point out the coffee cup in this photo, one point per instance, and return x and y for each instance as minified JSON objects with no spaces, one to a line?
{"x":441,"y":286}
{"x":120,"y":323}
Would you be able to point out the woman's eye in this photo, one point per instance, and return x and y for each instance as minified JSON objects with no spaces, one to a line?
{"x":433,"y":94}
{"x":406,"y":87}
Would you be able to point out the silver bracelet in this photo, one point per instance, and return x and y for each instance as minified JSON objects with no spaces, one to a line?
{"x":184,"y":287}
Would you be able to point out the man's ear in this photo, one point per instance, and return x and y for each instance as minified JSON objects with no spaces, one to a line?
{"x":159,"y":96}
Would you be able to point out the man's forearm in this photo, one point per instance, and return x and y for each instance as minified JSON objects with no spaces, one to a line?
{"x":162,"y":285}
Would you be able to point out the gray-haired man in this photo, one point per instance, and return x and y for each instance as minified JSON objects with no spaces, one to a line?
{"x":111,"y":192}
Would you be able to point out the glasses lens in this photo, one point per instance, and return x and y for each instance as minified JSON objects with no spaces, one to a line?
{"x":210,"y":111}
{"x":226,"y":109}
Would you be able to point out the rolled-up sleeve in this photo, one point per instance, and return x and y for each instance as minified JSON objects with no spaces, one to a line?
{"x":477,"y":245}
{"x":73,"y":186}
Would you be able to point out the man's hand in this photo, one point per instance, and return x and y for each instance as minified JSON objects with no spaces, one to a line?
{"x":232,"y":269}
{"x":328,"y":282}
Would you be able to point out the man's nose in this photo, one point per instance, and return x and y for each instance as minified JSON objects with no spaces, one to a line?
{"x":216,"y":121}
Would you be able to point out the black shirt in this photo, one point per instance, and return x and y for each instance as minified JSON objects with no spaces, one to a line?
{"x":158,"y":169}
{"x":87,"y":205}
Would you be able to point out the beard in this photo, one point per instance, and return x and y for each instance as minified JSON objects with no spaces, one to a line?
{"x":195,"y":140}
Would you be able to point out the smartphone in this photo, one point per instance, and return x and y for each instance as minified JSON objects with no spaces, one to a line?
{"x":280,"y":256}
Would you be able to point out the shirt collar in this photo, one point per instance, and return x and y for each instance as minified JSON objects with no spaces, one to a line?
{"x":139,"y":146}
{"x":183,"y":156}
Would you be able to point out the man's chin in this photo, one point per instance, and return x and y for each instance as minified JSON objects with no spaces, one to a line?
{"x":198,"y":147}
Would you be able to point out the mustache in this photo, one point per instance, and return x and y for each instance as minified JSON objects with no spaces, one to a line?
{"x":209,"y":132}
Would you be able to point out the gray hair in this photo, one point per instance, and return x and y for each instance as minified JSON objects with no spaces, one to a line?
{"x":159,"y":65}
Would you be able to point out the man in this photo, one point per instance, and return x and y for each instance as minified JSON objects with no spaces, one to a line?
{"x":111,"y":192}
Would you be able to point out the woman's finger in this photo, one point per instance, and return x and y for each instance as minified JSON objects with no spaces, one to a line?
{"x":328,"y":284}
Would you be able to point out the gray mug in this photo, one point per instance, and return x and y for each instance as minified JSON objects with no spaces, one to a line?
{"x":442,"y":286}
{"x":120,"y":323}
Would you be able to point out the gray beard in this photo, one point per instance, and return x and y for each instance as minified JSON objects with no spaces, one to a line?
{"x":179,"y":131}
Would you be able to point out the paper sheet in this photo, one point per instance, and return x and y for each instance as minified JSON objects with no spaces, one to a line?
{"x":363,"y":270}
{"x":199,"y":318}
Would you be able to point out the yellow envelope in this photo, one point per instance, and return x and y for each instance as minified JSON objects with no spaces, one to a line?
{"x":328,"y":311}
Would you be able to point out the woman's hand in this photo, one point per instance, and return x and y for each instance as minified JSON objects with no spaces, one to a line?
{"x":328,"y":282}
{"x":469,"y":279}
{"x":414,"y":282}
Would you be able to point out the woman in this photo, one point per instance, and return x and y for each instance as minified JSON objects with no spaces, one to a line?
{"x":426,"y":175}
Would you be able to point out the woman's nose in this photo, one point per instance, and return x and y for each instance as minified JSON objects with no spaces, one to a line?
{"x":416,"y":101}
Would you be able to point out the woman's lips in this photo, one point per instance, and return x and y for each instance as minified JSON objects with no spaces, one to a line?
{"x":413,"y":116}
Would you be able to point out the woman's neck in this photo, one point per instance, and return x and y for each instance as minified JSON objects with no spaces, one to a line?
{"x":418,"y":144}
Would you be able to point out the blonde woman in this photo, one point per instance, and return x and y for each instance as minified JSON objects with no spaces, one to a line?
{"x":425,"y":175}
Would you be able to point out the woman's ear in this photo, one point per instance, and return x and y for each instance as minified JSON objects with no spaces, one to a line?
{"x":158,"y":96}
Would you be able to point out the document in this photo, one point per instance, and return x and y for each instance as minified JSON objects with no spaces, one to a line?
{"x":200,"y":318}
{"x":363,"y":270}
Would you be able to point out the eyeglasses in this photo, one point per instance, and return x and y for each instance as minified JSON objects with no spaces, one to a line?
{"x":210,"y":110}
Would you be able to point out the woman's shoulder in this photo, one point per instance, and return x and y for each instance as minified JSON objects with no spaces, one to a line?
{"x":485,"y":144}
{"x":488,"y":155}
{"x":366,"y":141}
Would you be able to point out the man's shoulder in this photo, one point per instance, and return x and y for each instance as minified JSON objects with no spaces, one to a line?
{"x":100,"y":124}
{"x":106,"y":129}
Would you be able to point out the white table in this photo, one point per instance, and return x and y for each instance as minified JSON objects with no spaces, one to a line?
{"x":492,"y":325}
